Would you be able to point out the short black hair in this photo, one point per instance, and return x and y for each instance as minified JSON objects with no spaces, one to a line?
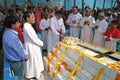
{"x":18,"y":9}
{"x":115,"y":22}
{"x":58,"y":12}
{"x":75,"y":7}
{"x":10,"y":19}
{"x":26,"y":15}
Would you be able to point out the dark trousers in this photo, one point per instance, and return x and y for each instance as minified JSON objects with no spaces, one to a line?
{"x":19,"y":69}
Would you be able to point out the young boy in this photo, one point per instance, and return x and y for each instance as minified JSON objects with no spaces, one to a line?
{"x":112,"y":35}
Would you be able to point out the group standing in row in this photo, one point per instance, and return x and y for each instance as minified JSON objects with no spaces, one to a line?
{"x":52,"y":26}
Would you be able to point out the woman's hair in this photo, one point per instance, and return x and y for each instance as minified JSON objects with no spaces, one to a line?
{"x":10,"y":19}
{"x":26,"y":15}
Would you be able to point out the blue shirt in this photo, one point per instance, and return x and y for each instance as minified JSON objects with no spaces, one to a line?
{"x":13,"y":48}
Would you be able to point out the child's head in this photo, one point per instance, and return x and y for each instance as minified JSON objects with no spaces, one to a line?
{"x":114,"y":23}
{"x":58,"y":14}
{"x":45,"y":15}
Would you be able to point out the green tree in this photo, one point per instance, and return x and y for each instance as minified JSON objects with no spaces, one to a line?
{"x":14,"y":5}
{"x":94,"y":4}
{"x":26,"y":4}
{"x":104,"y":4}
{"x":82,"y":4}
{"x":5,"y":5}
{"x":74,"y":2}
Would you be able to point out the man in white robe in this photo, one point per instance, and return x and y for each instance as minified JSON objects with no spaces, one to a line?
{"x":87,"y":24}
{"x":57,"y":29}
{"x":100,"y":27}
{"x":34,"y":65}
{"x":73,"y":21}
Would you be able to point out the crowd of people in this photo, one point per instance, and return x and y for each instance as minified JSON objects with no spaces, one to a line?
{"x":22,"y":46}
{"x":98,"y":31}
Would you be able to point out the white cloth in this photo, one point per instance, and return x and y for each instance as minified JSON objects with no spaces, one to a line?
{"x":34,"y":65}
{"x":53,"y":34}
{"x":74,"y":27}
{"x":98,"y":35}
{"x":86,"y":30}
{"x":44,"y":24}
{"x":111,"y":44}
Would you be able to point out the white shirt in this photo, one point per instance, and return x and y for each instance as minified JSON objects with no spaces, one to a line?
{"x":73,"y":17}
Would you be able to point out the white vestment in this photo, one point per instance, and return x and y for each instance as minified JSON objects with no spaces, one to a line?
{"x":74,"y":27}
{"x":34,"y":65}
{"x":53,"y":33}
{"x":98,"y":35}
{"x":111,"y":44}
{"x":44,"y":24}
{"x":86,"y":30}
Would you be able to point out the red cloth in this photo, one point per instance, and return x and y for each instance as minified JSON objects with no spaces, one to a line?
{"x":112,"y":32}
{"x":117,"y":77}
{"x":38,"y":17}
{"x":20,"y":34}
{"x":60,"y":38}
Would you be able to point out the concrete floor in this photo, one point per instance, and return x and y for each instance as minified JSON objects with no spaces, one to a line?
{"x":45,"y":76}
